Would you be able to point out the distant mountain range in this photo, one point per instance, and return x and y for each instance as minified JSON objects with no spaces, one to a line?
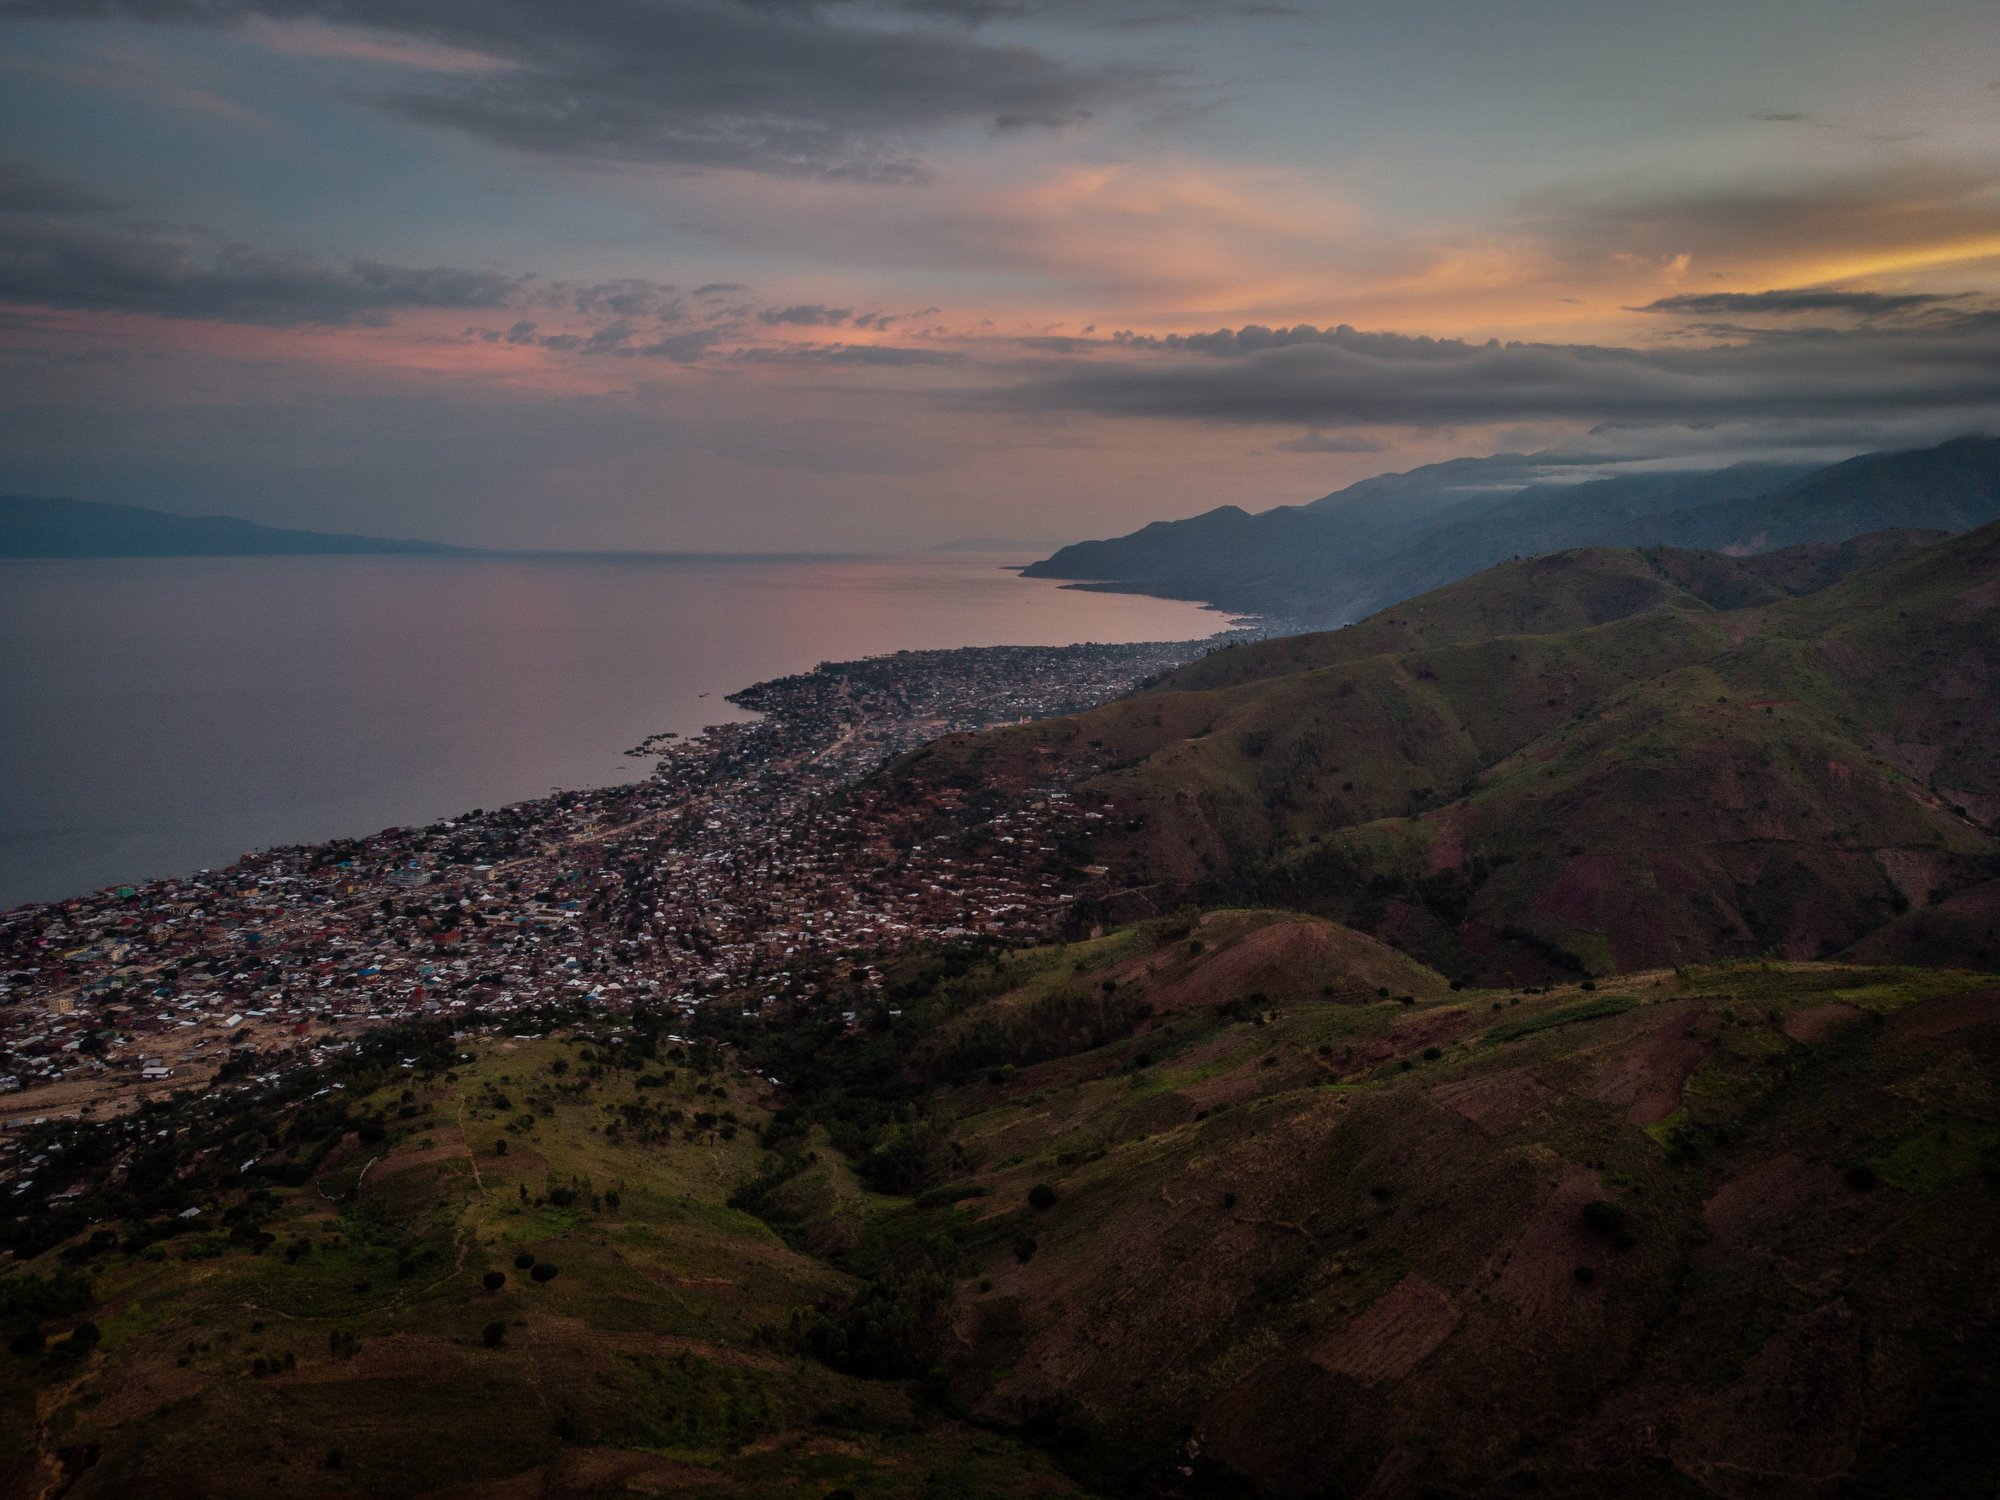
{"x":1363,"y":548}
{"x":31,"y":526}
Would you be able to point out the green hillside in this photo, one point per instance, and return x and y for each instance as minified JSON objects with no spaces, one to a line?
{"x":1580,"y":763}
{"x":1224,"y":1204}
{"x":341,"y":1295}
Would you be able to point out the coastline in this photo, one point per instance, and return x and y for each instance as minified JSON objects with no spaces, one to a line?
{"x":751,"y":854}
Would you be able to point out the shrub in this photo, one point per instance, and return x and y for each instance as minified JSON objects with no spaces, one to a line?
{"x":1610,"y":1221}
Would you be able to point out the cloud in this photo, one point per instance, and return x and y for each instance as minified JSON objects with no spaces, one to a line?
{"x":1254,"y":338}
{"x":1787,"y":301}
{"x":883,"y":356}
{"x":1331,"y":442}
{"x":52,"y":263}
{"x":1810,"y":232}
{"x":26,"y":189}
{"x":881,"y":321}
{"x":1127,"y":14}
{"x":683,"y":348}
{"x":1329,"y":378}
{"x":774,"y":88}
{"x":630,"y":296}
{"x":805,"y":314}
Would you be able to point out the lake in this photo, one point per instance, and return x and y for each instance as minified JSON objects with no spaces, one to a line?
{"x":163,"y":715}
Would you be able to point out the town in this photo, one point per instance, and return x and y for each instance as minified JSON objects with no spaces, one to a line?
{"x":754,"y":863}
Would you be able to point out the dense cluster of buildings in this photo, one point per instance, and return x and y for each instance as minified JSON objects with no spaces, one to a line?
{"x":749,"y":865}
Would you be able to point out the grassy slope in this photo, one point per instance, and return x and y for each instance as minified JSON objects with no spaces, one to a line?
{"x":1320,"y":1225}
{"x":1339,"y":1244}
{"x":654,"y":1360}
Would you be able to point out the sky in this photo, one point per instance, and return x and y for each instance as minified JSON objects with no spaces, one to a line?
{"x":777,"y":275}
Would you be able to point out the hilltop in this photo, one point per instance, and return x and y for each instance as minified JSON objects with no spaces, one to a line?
{"x":1362,"y":548}
{"x":31,"y":526}
{"x":1580,"y":763}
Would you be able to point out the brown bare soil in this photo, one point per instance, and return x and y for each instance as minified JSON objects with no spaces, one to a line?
{"x":1393,"y":1336}
{"x":1539,"y":1275}
{"x":1954,"y":1012}
{"x":1497,"y":1102}
{"x":1810,"y":1023}
{"x":1768,"y":1191}
{"x":1649,"y":1072}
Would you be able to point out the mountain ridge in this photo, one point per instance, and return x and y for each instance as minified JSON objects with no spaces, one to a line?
{"x":61,"y":527}
{"x":1345,"y":555}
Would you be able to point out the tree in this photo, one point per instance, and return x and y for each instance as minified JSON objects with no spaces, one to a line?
{"x":524,"y":1260}
{"x":1041,"y":1195}
{"x":493,"y":1280}
{"x":493,"y":1335}
{"x":543,"y":1272}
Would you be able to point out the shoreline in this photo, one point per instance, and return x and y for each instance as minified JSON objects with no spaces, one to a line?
{"x":751,"y":856}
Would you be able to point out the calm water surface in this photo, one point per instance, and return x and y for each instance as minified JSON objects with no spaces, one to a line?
{"x":162,"y":715}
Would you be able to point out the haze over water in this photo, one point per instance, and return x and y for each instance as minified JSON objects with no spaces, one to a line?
{"x":167,"y":715}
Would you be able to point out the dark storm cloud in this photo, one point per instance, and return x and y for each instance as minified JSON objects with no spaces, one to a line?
{"x":1334,"y":377}
{"x":51,"y":263}
{"x":26,"y":189}
{"x":1798,"y":300}
{"x":788,"y":89}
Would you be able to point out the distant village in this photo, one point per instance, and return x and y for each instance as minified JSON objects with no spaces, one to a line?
{"x":753,"y":863}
